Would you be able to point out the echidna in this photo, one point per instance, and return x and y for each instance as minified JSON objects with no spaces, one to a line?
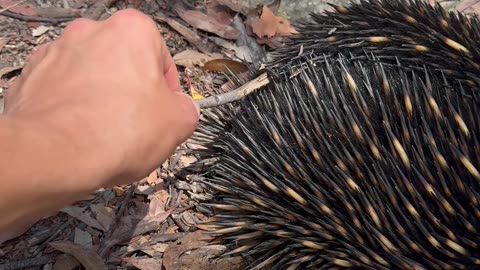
{"x":358,"y":154}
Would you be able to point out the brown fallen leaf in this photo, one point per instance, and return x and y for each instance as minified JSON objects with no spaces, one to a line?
{"x":176,"y":249}
{"x":206,"y":23}
{"x":266,"y":26}
{"x":157,"y":203}
{"x":104,"y":214}
{"x":225,"y":65}
{"x":219,"y":13}
{"x":144,"y":263}
{"x":192,"y":37}
{"x":235,"y":5}
{"x":191,"y":58}
{"x":275,"y":5}
{"x":199,"y":255}
{"x":466,"y":4}
{"x":3,"y":41}
{"x":86,"y":256}
{"x":82,"y":238}
{"x":269,"y":25}
{"x":24,"y":8}
{"x":84,"y":216}
{"x":66,"y":262}
{"x":152,"y":178}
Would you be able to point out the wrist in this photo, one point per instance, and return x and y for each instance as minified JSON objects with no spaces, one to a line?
{"x":39,"y":173}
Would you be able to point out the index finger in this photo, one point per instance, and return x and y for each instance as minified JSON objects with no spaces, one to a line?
{"x":170,"y":69}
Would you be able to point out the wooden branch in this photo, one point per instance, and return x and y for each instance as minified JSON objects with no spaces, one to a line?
{"x":234,"y":95}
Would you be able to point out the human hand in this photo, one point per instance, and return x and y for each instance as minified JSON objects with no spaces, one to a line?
{"x":111,"y":91}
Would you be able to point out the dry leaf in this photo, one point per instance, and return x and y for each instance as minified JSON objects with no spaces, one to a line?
{"x":199,"y":254}
{"x":157,"y":204}
{"x":176,"y":249}
{"x":86,"y":256}
{"x":152,"y":178}
{"x":206,"y":23}
{"x":269,"y":25}
{"x":82,"y":238}
{"x":154,"y":249}
{"x":241,"y":52}
{"x":225,"y":65}
{"x":191,"y":58}
{"x":3,"y":41}
{"x":24,"y":8}
{"x":145,"y":263}
{"x":66,"y":262}
{"x":119,"y":191}
{"x":144,"y":190}
{"x":467,"y":4}
{"x":84,"y":216}
{"x":235,"y":5}
{"x":219,"y":13}
{"x":266,"y":26}
{"x":42,"y":29}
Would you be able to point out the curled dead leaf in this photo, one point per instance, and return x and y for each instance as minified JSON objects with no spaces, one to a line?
{"x":207,"y":23}
{"x":86,"y":256}
{"x":267,"y":25}
{"x":225,"y":65}
{"x":191,"y":58}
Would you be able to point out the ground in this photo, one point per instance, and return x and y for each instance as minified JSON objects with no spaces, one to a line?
{"x":150,"y":224}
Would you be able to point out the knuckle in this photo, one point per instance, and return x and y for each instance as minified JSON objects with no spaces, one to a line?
{"x":130,"y":17}
{"x":77,"y":25}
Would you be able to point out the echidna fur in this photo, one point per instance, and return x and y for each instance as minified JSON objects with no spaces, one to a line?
{"x":351,"y":160}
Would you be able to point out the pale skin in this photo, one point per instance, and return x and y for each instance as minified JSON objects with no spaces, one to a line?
{"x":100,"y":106}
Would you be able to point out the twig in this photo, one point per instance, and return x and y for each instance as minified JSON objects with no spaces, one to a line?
{"x":120,"y":211}
{"x":13,"y":5}
{"x":38,"y":261}
{"x":140,"y":229}
{"x":188,"y":34}
{"x":234,"y":95}
{"x":26,"y":18}
{"x":55,"y":233}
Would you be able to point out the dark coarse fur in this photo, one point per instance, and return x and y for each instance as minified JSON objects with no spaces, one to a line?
{"x":350,"y":159}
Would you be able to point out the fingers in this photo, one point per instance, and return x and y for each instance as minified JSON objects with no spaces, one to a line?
{"x":183,"y":114}
{"x":35,"y":59}
{"x":169,"y":69}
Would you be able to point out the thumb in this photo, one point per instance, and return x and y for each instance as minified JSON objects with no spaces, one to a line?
{"x":187,"y":113}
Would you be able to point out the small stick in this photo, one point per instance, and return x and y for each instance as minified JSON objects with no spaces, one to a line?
{"x":121,"y":209}
{"x":26,"y":18}
{"x":234,"y":95}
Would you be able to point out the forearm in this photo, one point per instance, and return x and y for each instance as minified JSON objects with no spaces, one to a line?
{"x":39,"y":173}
